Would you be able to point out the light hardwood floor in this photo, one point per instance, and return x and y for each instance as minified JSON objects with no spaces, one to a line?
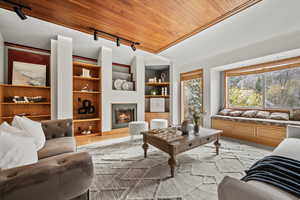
{"x":92,"y":139}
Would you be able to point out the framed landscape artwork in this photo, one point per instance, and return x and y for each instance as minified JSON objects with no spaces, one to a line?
{"x":29,"y":74}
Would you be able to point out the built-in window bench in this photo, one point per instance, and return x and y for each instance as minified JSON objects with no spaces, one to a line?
{"x":263,"y":131}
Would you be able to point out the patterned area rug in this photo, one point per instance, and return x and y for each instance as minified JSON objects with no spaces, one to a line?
{"x":122,"y":173}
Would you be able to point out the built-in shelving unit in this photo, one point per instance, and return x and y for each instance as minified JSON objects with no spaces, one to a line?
{"x":86,"y":89}
{"x":38,"y":111}
{"x":154,"y":89}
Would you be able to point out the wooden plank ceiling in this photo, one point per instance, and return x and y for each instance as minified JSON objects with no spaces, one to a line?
{"x":156,"y":24}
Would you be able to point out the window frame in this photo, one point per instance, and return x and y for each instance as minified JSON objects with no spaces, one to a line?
{"x":190,"y":76}
{"x":259,"y":69}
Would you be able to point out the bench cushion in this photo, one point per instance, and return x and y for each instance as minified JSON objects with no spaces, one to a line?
{"x":272,"y":122}
{"x":57,"y":146}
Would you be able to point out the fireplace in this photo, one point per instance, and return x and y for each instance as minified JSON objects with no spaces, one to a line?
{"x":122,"y":114}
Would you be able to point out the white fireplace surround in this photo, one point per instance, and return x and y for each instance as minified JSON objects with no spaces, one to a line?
{"x":110,"y":96}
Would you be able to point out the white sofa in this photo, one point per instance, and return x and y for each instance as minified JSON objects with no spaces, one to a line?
{"x":234,"y":189}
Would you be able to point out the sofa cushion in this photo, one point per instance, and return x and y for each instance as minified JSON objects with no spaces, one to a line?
{"x":279,"y":116}
{"x":263,"y":114}
{"x":225,"y":112}
{"x":295,"y":114}
{"x":282,"y":123}
{"x":236,"y":113}
{"x":249,"y":113}
{"x":57,"y":146}
{"x":289,"y":147}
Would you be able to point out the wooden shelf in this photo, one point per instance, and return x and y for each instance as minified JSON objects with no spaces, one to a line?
{"x":85,"y":65}
{"x":88,"y":92}
{"x":12,"y":103}
{"x":157,"y":112}
{"x":86,"y":78}
{"x":92,"y":134}
{"x":25,"y":86}
{"x":86,"y":120}
{"x":157,"y":96}
{"x":33,"y":116}
{"x":162,"y":84}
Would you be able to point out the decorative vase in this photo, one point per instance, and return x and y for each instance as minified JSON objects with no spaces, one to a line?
{"x":186,"y":127}
{"x":196,"y":128}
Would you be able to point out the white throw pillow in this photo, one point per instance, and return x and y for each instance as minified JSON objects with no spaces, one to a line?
{"x":13,"y":130}
{"x":32,"y":128}
{"x":16,"y":150}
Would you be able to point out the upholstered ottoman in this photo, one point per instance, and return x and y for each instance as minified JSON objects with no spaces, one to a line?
{"x":136,"y":127}
{"x":158,"y":123}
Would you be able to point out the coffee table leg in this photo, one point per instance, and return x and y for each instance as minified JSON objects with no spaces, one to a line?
{"x":217,"y":144}
{"x":145,"y":147}
{"x":172,"y":163}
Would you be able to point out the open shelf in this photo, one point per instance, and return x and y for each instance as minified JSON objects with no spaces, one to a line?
{"x":92,"y":134}
{"x":86,"y":65}
{"x":30,"y":116}
{"x":86,"y":120}
{"x":156,"y":96}
{"x":12,"y":103}
{"x":25,"y":86}
{"x":35,"y":110}
{"x":86,"y":78}
{"x":162,"y":84}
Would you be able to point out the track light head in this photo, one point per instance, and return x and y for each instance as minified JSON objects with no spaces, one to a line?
{"x":133,"y":47}
{"x":118,"y":42}
{"x":95,"y":36}
{"x":18,"y":11}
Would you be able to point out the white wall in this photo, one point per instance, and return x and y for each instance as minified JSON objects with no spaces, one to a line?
{"x":61,"y":78}
{"x":2,"y":69}
{"x":110,"y":96}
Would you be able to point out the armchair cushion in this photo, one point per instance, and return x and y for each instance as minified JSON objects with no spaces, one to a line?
{"x":57,"y":128}
{"x":57,"y":146}
{"x":233,"y":189}
{"x":59,"y":177}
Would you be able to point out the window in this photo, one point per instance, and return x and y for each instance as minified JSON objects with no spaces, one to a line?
{"x":191,"y":93}
{"x":283,"y":89}
{"x":267,"y":88}
{"x":245,"y":91}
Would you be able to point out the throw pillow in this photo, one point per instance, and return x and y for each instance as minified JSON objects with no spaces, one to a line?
{"x":236,"y":113}
{"x":225,"y":112}
{"x":16,"y":150}
{"x":263,"y":114}
{"x":295,"y":114}
{"x":249,"y":113}
{"x":279,"y":116}
{"x":32,"y":128}
{"x":13,"y":130}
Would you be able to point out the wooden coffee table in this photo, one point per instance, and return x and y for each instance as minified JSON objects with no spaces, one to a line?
{"x":171,"y":142}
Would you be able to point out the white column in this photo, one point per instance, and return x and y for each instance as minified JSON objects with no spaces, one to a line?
{"x":174,"y":95}
{"x":2,"y":68}
{"x":53,"y":72}
{"x":61,"y":78}
{"x":105,"y":61}
{"x":139,"y":67}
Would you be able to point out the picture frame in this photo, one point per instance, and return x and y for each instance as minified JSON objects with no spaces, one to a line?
{"x":29,"y":74}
